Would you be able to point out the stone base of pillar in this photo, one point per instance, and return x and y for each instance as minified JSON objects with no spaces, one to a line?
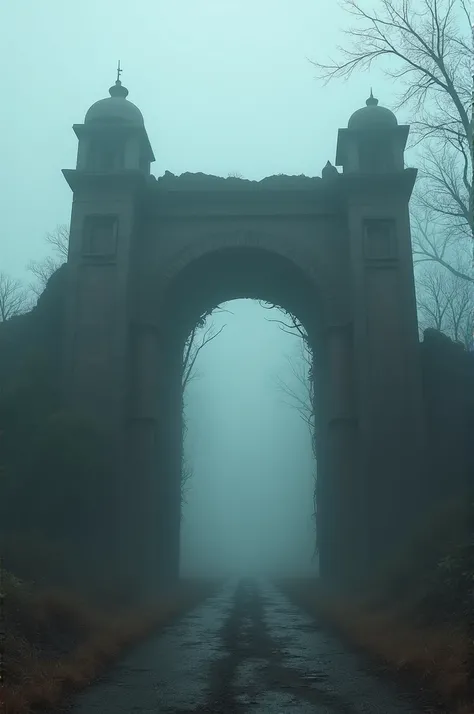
{"x":344,"y":535}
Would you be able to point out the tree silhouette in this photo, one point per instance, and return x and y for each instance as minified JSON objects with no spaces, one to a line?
{"x":428,"y":45}
{"x":43,"y":269}
{"x":201,"y":335}
{"x":300,"y":394}
{"x":14,"y":297}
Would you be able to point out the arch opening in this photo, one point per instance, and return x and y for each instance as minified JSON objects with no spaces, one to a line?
{"x":236,"y":273}
{"x":245,"y":275}
{"x":248,"y":467}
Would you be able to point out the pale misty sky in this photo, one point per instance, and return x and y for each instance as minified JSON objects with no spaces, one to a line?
{"x":224,"y":86}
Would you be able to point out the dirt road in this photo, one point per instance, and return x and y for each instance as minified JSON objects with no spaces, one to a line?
{"x":247,"y":649}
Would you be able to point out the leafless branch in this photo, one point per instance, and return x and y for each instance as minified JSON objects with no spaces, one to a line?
{"x":14,"y":297}
{"x":426,"y":47}
{"x":187,"y":474}
{"x":426,"y":42}
{"x":59,"y":241}
{"x":193,"y":349}
{"x":291,"y":325}
{"x":435,"y":243}
{"x":43,"y":269}
{"x":300,"y":394}
{"x":201,"y":335}
{"x":446,"y":303}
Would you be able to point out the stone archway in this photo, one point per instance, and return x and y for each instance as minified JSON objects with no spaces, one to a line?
{"x":148,"y":256}
{"x":239,"y":270}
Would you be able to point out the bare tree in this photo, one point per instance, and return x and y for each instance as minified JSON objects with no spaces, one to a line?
{"x":14,"y":297}
{"x":201,"y":335}
{"x":300,"y":394}
{"x":432,"y":245}
{"x":42,"y":270}
{"x":446,"y":303}
{"x":187,"y":473}
{"x":428,"y":44}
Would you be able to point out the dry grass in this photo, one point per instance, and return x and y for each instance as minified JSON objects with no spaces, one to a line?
{"x":418,"y":616}
{"x":68,"y":643}
{"x":437,"y":656}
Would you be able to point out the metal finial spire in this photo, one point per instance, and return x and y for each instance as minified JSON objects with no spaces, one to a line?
{"x":372,"y":101}
{"x":118,"y":90}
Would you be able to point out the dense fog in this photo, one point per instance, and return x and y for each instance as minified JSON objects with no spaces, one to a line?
{"x":249,"y":500}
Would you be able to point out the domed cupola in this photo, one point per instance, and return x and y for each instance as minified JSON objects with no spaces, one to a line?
{"x":113,"y":136}
{"x":116,"y":108}
{"x":372,"y":116}
{"x":374,"y":141}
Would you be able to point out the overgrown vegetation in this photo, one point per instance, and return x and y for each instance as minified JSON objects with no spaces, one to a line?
{"x":418,"y":618}
{"x":420,"y":613}
{"x":417,"y":615}
{"x":57,"y":642}
{"x":50,"y":458}
{"x":66,"y":615}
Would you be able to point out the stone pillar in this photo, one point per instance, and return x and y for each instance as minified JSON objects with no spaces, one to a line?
{"x":151,"y":484}
{"x":344,"y":491}
{"x":395,"y":464}
{"x":168,"y":465}
{"x":386,"y":356}
{"x":97,"y":301}
{"x":96,"y":327}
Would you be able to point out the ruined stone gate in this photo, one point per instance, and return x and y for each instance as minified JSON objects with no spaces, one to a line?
{"x":148,"y":257}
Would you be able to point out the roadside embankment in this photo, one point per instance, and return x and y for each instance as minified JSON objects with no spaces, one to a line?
{"x":418,"y":618}
{"x":57,"y":642}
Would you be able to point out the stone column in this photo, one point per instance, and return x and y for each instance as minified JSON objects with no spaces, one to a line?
{"x":395,"y":409}
{"x":95,"y":334}
{"x":386,"y":355}
{"x":150,"y":492}
{"x":344,"y":492}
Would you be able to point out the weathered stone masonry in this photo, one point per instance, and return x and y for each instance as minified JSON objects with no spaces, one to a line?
{"x":148,"y":256}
